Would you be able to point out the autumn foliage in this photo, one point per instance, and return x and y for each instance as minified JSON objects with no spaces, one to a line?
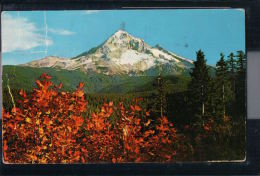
{"x":53,"y":126}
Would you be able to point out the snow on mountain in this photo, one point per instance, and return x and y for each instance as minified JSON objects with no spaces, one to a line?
{"x":160,"y":54}
{"x":121,"y":53}
{"x":51,"y":61}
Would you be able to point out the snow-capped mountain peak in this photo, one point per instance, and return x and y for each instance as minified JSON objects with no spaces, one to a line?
{"x":120,"y":34}
{"x":121,"y":53}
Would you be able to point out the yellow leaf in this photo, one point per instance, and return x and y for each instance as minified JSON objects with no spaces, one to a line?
{"x":39,"y":113}
{"x":37,"y":122}
{"x":40,"y":130}
{"x":28,"y":120}
{"x":48,"y":112}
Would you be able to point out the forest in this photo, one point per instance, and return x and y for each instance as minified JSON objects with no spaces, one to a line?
{"x":196,"y":117}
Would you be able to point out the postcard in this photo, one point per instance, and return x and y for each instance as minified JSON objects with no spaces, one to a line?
{"x":123,"y":86}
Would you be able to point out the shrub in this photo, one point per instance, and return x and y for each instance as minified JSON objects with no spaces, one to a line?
{"x":52,"y":126}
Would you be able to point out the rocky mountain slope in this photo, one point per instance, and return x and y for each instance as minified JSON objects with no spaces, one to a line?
{"x":121,"y":53}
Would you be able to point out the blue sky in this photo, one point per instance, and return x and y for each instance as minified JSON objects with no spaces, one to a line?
{"x":29,"y":35}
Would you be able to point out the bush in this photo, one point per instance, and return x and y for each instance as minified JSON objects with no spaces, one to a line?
{"x":52,"y":126}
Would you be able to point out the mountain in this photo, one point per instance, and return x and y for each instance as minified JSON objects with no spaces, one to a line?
{"x":121,"y":54}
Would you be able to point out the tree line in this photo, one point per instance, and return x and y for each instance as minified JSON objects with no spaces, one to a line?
{"x":215,"y":104}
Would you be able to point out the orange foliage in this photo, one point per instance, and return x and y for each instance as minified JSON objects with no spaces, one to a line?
{"x":52,"y":127}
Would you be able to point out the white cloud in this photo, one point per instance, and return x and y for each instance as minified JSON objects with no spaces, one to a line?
{"x":88,"y":12}
{"x":18,"y":33}
{"x":60,"y":31}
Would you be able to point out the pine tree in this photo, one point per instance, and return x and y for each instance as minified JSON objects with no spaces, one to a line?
{"x":241,"y":82}
{"x":199,"y":101}
{"x":159,"y":104}
{"x":232,"y":69}
{"x":162,"y":95}
{"x":199,"y":87}
{"x":240,"y":106}
{"x":231,"y":63}
{"x":241,"y":62}
{"x":221,"y":67}
{"x":222,"y":87}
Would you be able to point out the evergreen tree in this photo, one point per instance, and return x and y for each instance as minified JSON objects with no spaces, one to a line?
{"x":221,"y":68}
{"x":231,"y":63}
{"x":241,"y":82}
{"x":159,"y":97}
{"x":222,"y":87}
{"x":241,"y":61}
{"x":199,"y":103}
{"x":162,"y":95}
{"x":232,"y":69}
{"x":199,"y":87}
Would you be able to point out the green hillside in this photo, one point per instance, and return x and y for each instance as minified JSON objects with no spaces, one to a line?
{"x":97,"y":86}
{"x":21,"y":77}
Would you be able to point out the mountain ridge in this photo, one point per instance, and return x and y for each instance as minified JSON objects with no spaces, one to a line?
{"x":121,"y":53}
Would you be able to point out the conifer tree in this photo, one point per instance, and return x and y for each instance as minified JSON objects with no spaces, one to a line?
{"x":241,"y":61}
{"x":199,"y":87}
{"x":232,"y":69}
{"x":221,"y":67}
{"x":222,"y":88}
{"x":231,"y":63}
{"x":241,"y":82}
{"x":159,"y":97}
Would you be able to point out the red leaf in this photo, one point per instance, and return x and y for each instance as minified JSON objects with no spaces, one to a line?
{"x":5,"y":146}
{"x":81,"y":85}
{"x":137,"y":108}
{"x":80,"y":93}
{"x":39,"y":84}
{"x":114,"y":160}
{"x":110,"y":103}
{"x":148,"y":122}
{"x":60,"y":86}
{"x":45,"y":76}
{"x":22,"y":93}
